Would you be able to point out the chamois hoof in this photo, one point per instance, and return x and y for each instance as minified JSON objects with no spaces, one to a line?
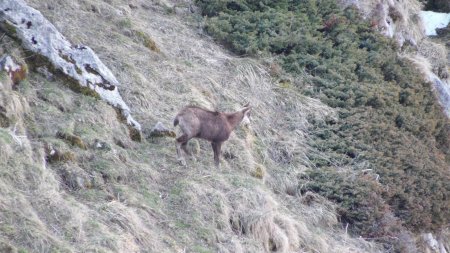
{"x":183,"y":162}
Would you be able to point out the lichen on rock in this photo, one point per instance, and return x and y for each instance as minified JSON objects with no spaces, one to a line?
{"x":78,"y":62}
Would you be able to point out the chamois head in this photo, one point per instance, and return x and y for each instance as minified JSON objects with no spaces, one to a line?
{"x":216,"y":127}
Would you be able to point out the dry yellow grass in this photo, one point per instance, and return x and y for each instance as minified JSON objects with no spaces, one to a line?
{"x":134,"y":197}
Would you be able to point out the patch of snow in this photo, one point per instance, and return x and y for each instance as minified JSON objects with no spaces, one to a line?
{"x":433,"y":20}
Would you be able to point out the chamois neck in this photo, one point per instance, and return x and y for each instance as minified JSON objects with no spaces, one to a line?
{"x":234,"y":118}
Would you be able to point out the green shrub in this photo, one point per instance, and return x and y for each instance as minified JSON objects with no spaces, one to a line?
{"x":389,"y":118}
{"x":360,"y":197}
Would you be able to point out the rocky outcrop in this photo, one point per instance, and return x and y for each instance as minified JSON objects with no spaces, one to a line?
{"x":78,"y":62}
{"x":394,"y":19}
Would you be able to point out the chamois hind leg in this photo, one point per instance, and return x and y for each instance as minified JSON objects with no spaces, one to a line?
{"x":216,"y":148}
{"x":186,"y":150}
{"x":179,"y":142}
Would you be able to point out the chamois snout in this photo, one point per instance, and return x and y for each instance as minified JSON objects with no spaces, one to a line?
{"x":246,"y":119}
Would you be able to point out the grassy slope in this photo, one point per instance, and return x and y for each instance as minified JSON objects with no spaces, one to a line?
{"x":134,"y":197}
{"x":389,"y":120}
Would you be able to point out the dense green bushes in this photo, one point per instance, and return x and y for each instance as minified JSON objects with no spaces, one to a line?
{"x":389,"y":119}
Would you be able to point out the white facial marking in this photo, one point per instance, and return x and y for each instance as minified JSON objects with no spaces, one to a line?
{"x":245,"y":120}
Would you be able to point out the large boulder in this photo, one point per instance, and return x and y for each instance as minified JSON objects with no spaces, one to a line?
{"x":78,"y":62}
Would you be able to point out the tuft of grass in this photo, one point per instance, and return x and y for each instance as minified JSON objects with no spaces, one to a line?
{"x":125,"y":23}
{"x":20,"y":74}
{"x":72,"y":139}
{"x":4,"y":120}
{"x":201,"y":249}
{"x":156,"y":134}
{"x":56,"y":156}
{"x":8,"y":28}
{"x":259,"y":172}
{"x":7,"y":248}
{"x":146,"y":40}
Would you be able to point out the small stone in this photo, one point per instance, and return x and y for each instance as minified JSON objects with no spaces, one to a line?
{"x":159,"y":130}
{"x":46,"y":73}
{"x":159,"y":127}
{"x":121,"y":143}
{"x":94,"y":9}
{"x":74,"y":178}
{"x":101,"y":145}
{"x":146,"y":6}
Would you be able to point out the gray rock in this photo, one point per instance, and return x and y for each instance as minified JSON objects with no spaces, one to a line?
{"x":7,"y":64}
{"x":101,"y":145}
{"x":159,"y":130}
{"x":74,"y":178}
{"x":159,"y":127}
{"x":79,"y":62}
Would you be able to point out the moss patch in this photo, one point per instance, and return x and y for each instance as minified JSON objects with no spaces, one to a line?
{"x":20,"y":74}
{"x":146,"y":40}
{"x":8,"y":28}
{"x":4,"y":121}
{"x":56,"y":155}
{"x":259,"y":172}
{"x":156,"y":134}
{"x":35,"y":61}
{"x":5,"y":137}
{"x":72,"y":139}
{"x":135,"y":134}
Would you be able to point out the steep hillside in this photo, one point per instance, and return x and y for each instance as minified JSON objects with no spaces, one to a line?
{"x":73,"y":181}
{"x":384,"y":159}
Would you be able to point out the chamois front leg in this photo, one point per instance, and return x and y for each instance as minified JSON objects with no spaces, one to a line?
{"x":179,"y":142}
{"x":216,"y":148}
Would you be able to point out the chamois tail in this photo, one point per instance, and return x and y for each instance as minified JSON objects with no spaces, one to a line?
{"x":175,"y":122}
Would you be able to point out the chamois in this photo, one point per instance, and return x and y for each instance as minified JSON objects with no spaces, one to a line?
{"x":216,"y":127}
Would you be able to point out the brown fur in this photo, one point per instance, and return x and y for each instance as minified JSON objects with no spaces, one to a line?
{"x":216,"y":127}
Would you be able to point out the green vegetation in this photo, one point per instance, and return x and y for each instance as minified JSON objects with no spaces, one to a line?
{"x":146,"y":40}
{"x":389,"y":120}
{"x":72,"y":139}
